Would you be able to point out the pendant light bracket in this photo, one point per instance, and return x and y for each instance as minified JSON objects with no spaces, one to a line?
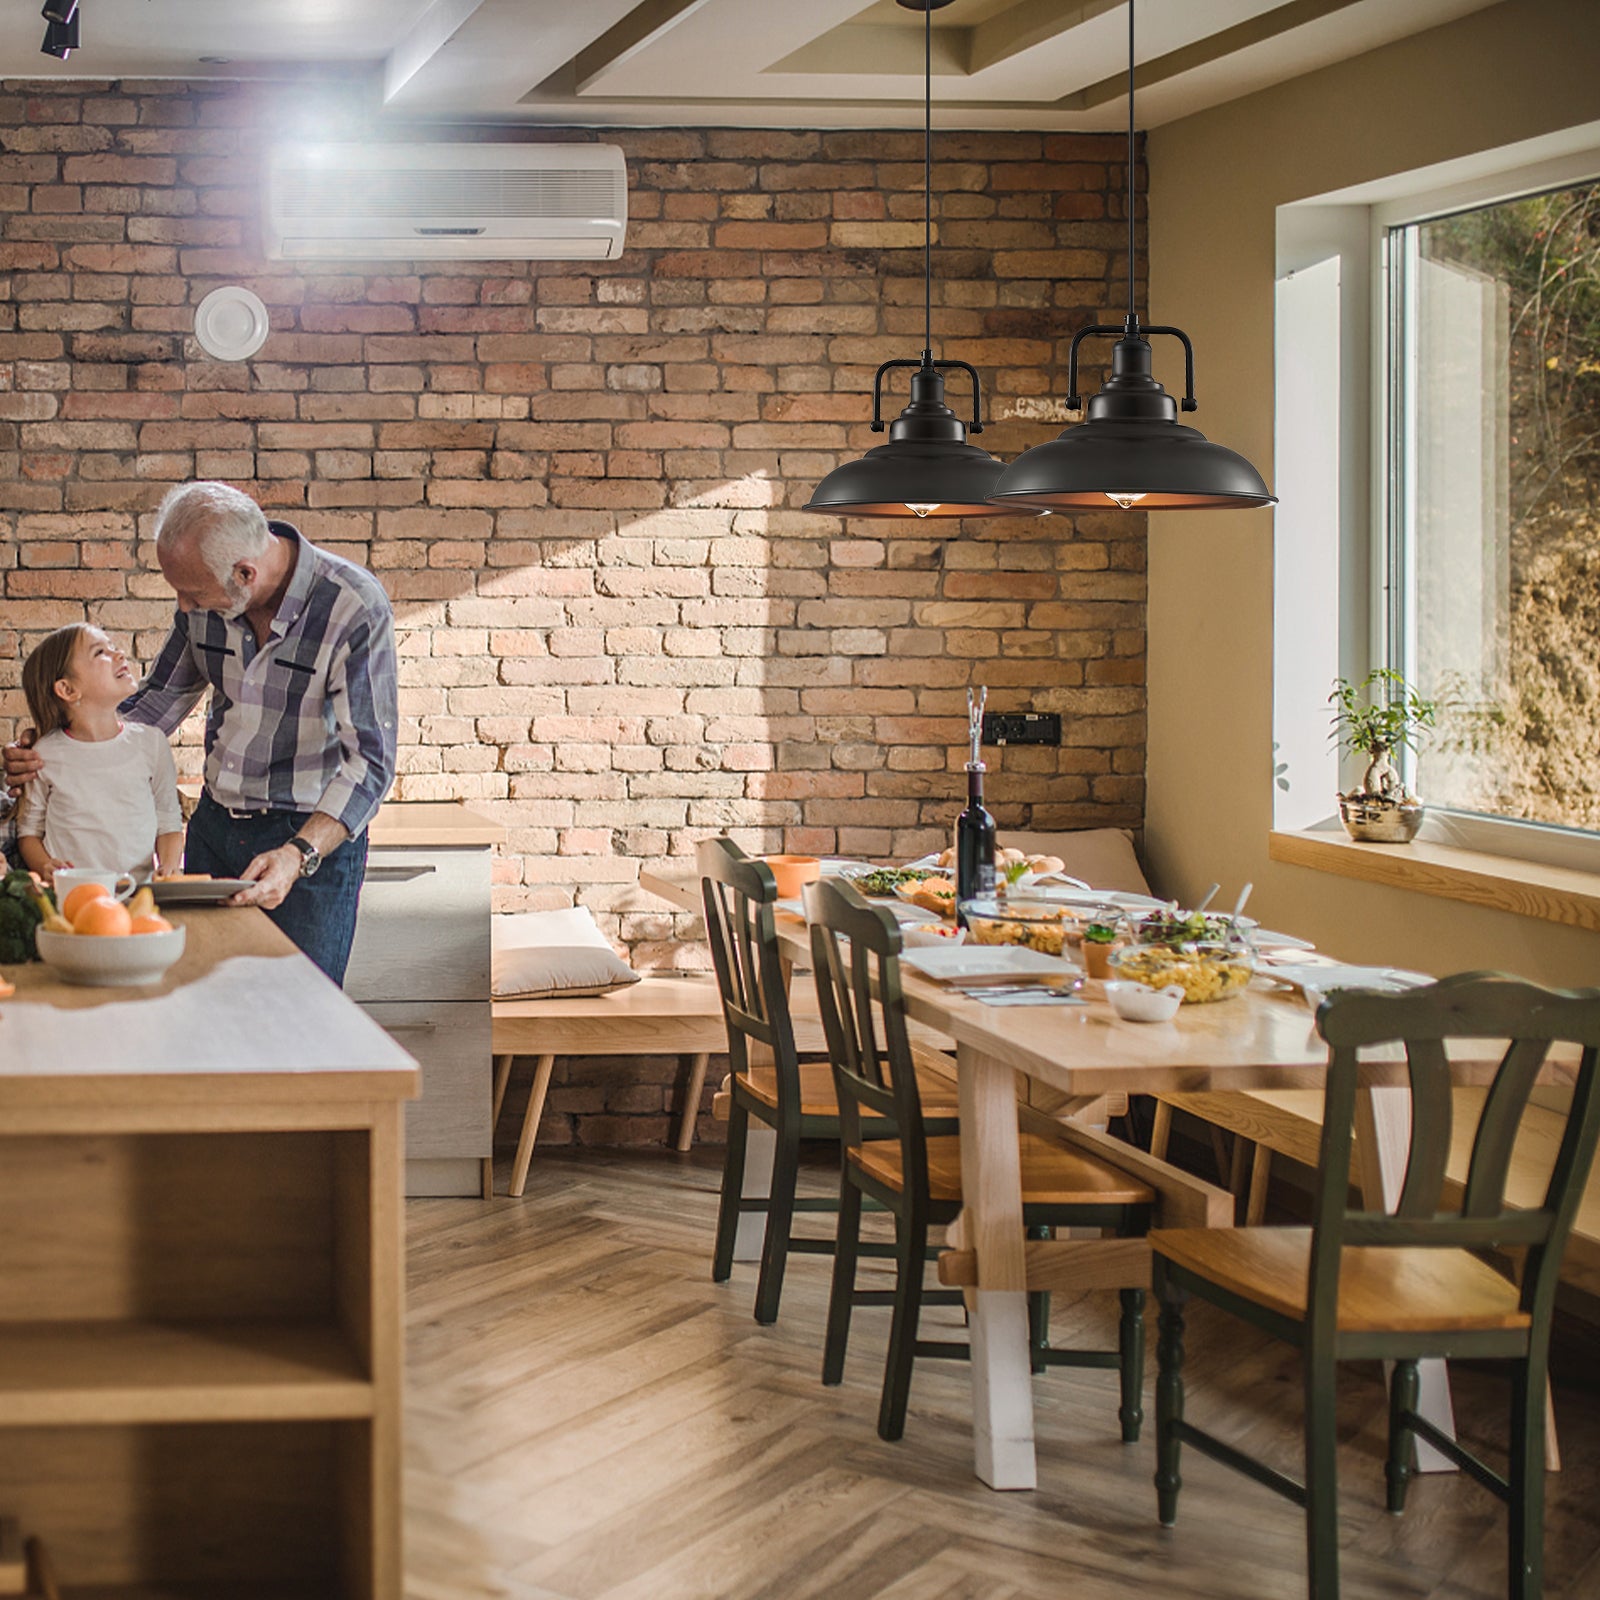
{"x":1130,"y":367}
{"x":927,"y":416}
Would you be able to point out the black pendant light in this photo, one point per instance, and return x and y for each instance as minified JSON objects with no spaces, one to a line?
{"x":1132,"y":451}
{"x":927,"y":469}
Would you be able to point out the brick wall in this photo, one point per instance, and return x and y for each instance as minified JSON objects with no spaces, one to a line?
{"x":580,"y":481}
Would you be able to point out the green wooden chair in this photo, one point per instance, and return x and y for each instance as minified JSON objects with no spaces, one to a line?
{"x":796,"y":1099}
{"x":917,"y":1174}
{"x":1369,"y":1285}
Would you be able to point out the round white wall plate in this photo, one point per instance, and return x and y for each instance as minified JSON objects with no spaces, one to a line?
{"x":231,"y":324}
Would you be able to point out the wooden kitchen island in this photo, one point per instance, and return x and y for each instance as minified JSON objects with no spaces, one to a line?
{"x":201,"y":1276}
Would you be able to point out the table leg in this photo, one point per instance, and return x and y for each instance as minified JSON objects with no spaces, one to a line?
{"x":991,"y":1186}
{"x":1383,"y":1144}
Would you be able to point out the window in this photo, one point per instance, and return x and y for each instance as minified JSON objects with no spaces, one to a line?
{"x":1491,"y":562}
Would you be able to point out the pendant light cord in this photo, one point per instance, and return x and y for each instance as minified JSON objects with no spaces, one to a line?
{"x":1133,"y":317}
{"x":927,"y":184}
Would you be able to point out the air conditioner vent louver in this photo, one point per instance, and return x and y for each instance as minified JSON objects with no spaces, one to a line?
{"x":468,"y":202}
{"x":471,"y":192}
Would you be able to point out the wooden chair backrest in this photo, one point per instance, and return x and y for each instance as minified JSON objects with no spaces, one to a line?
{"x":869,"y":1046}
{"x":1471,"y":1006}
{"x":739,"y":893}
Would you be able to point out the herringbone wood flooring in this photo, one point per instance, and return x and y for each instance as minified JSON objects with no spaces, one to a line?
{"x":589,"y":1417}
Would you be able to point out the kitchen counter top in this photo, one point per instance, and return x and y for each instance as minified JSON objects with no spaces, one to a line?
{"x":411,"y":824}
{"x":242,"y":1015}
{"x":432,"y":823}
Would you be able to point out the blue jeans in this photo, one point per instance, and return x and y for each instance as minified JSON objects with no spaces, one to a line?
{"x":319,"y":914}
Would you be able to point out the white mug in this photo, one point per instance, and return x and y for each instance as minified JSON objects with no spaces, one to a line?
{"x":119,"y":884}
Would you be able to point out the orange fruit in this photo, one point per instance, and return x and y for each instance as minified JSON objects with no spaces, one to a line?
{"x":7,"y":989}
{"x":150,"y":923}
{"x":104,"y":918}
{"x":80,"y":897}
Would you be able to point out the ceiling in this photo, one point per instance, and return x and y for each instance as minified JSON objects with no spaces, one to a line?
{"x":743,"y":63}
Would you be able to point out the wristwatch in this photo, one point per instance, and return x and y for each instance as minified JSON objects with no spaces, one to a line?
{"x":310,"y":856}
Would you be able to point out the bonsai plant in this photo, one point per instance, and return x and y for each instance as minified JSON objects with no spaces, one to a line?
{"x":1379,"y":717}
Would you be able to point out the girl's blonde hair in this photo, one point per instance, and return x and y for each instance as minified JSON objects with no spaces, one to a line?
{"x":48,"y":661}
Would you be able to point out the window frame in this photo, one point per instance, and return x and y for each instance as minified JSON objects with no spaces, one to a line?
{"x":1393,"y":486}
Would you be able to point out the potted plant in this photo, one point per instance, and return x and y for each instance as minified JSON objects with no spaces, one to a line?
{"x":1379,"y":717}
{"x":1098,"y":938}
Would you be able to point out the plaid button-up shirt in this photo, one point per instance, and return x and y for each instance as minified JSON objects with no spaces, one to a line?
{"x":307,"y":720}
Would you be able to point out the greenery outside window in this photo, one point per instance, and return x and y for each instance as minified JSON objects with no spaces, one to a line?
{"x":1491,"y":559}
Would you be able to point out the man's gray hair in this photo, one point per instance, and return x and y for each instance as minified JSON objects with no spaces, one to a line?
{"x":225,"y":525}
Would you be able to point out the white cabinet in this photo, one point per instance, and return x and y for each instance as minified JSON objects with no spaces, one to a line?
{"x":420,"y":968}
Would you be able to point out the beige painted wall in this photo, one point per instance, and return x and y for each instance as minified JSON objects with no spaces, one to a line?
{"x":1516,"y":71}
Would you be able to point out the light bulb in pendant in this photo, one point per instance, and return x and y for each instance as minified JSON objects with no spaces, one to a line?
{"x":1126,"y":501}
{"x":922,"y":509}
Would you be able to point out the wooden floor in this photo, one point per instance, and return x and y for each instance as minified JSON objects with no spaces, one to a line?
{"x":589,"y":1417}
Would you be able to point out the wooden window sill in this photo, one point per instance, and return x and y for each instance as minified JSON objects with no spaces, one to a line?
{"x":1502,"y":883}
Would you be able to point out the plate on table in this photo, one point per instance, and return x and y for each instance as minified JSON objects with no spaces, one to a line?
{"x":989,"y":964}
{"x":1062,"y":894}
{"x":195,"y":891}
{"x":1324,"y":977}
{"x":1266,"y":939}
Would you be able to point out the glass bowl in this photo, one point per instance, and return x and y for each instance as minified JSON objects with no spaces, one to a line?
{"x":1032,"y":924}
{"x":1197,"y":954}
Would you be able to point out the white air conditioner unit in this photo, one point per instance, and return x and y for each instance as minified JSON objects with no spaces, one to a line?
{"x":446,"y":202}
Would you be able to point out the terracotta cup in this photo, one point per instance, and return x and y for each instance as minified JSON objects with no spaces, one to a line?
{"x":793,"y":873}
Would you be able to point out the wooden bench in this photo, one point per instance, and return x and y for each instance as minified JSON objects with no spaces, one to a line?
{"x":656,"y":1016}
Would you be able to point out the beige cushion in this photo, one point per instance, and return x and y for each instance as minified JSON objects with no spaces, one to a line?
{"x":540,"y":954}
{"x":1102,"y":857}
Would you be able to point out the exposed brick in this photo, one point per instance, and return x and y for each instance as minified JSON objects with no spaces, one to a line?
{"x":580,"y":482}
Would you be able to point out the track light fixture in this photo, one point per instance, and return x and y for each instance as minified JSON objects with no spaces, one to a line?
{"x":61,"y":28}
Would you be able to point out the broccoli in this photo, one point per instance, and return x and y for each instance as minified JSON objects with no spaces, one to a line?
{"x":20,"y":916}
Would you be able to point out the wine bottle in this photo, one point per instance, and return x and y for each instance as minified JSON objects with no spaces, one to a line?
{"x":975,"y":829}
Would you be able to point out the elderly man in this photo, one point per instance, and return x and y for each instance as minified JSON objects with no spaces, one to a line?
{"x":296,"y":646}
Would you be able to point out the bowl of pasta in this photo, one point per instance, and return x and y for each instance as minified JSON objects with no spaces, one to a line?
{"x":1208,"y":958}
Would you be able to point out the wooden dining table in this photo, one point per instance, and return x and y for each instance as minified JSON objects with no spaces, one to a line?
{"x":1261,"y":1038}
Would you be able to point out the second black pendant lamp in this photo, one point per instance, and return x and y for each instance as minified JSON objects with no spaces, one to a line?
{"x":1132,"y":451}
{"x":927,"y":469}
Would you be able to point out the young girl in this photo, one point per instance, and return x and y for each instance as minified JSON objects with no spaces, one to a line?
{"x":107,"y":797}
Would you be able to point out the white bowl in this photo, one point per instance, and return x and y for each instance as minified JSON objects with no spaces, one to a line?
{"x":1136,"y":1002}
{"x":111,"y":961}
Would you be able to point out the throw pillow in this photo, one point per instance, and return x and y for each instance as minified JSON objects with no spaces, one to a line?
{"x":539,"y":955}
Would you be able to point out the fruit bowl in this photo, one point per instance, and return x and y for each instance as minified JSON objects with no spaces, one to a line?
{"x":110,"y":961}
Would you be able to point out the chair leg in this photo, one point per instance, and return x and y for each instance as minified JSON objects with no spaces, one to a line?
{"x":530,"y":1123}
{"x":1401,"y":1466}
{"x":911,"y":1237}
{"x":780,"y":1221}
{"x":1322,"y":1477}
{"x":1130,"y":1346}
{"x":1169,"y":1405}
{"x":1255,"y":1209}
{"x":732,"y":1190}
{"x":1039,"y":1313}
{"x":1526,"y":1478}
{"x":691,"y":1099}
{"x":842,"y":1293}
{"x":1161,"y":1130}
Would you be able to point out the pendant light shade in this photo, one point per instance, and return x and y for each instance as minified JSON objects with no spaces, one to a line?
{"x":927,"y":469}
{"x":1131,"y":450}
